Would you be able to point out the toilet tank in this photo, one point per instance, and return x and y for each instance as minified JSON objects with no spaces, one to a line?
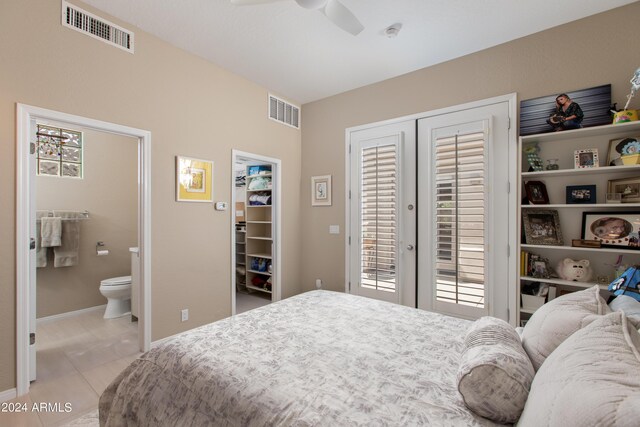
{"x":135,"y":281}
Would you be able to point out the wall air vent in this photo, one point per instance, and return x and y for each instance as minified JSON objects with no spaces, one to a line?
{"x":283,"y":112}
{"x":87,"y":23}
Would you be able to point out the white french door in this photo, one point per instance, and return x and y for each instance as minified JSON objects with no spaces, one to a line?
{"x":382,"y":213}
{"x":463,"y":238}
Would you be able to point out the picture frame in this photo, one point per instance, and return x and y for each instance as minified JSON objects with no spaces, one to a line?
{"x":321,"y":190}
{"x":581,"y":194}
{"x":586,"y":158}
{"x":628,"y":188}
{"x":613,"y":229}
{"x":616,"y":146}
{"x":194,"y":180}
{"x":542,"y":227}
{"x":536,"y":192}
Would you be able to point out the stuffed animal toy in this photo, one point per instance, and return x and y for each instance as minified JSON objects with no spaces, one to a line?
{"x":576,"y":271}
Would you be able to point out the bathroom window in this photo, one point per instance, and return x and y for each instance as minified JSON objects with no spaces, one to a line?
{"x":59,"y":152}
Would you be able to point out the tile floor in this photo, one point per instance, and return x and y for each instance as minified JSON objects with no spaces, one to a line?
{"x":246,"y":302}
{"x":77,"y":357}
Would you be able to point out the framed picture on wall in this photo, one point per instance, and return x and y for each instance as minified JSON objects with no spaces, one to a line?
{"x":194,"y":180}
{"x":321,"y":190}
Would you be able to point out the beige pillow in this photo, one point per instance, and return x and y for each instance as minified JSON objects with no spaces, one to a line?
{"x":495,"y":372}
{"x":591,"y":379}
{"x":558,"y":319}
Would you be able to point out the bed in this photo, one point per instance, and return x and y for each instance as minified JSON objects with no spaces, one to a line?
{"x":316,"y":359}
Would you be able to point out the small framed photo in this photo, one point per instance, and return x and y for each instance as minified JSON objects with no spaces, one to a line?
{"x":587,"y":158}
{"x":542,"y":227}
{"x":614,"y":198}
{"x":615,"y":229}
{"x":194,"y":180}
{"x":321,"y":190}
{"x":577,"y":194}
{"x":536,"y":193}
{"x":620,"y":146}
{"x":628,"y":188}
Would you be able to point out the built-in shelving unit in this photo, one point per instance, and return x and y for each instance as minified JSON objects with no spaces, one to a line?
{"x":259,"y":221}
{"x":561,"y":146}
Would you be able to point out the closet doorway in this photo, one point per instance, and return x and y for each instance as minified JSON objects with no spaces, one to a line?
{"x":255,"y":231}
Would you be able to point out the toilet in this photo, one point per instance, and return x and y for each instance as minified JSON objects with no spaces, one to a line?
{"x":117,"y":290}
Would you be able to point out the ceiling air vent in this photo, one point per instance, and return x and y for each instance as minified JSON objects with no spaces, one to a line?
{"x":283,"y":112}
{"x":96,"y":27}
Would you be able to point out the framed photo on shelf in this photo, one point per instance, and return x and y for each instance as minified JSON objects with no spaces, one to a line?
{"x":586,"y":158}
{"x":614,"y":229}
{"x":628,"y":188}
{"x":536,"y":193}
{"x":577,"y":194}
{"x":542,"y":227}
{"x":194,"y":180}
{"x":620,"y":146}
{"x":321,"y":190}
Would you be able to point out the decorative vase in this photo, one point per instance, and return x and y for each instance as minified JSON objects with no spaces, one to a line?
{"x":630,"y":159}
{"x":625,"y":116}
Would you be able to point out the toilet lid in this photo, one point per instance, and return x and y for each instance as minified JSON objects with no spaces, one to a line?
{"x":114,"y":281}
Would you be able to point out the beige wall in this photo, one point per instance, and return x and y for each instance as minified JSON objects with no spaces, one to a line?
{"x":109,"y":191}
{"x":578,"y":55}
{"x":191,"y":107}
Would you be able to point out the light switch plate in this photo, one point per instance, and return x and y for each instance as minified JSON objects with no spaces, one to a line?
{"x":221,"y":206}
{"x":334,"y":229}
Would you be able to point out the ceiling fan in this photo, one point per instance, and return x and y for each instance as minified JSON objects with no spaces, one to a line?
{"x":332,"y":9}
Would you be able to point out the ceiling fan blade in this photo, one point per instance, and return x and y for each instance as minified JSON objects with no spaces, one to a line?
{"x":342,"y":17}
{"x":251,"y":2}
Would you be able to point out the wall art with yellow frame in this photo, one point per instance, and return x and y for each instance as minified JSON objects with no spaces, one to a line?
{"x":194,"y":180}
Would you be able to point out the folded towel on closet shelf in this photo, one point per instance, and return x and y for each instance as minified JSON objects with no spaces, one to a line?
{"x":66,"y":255}
{"x":50,"y":231}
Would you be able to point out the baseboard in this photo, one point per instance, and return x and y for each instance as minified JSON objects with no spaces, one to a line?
{"x":69,"y":314}
{"x":8,"y":395}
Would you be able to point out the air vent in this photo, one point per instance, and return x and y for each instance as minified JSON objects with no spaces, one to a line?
{"x":98,"y":28}
{"x":283,"y":112}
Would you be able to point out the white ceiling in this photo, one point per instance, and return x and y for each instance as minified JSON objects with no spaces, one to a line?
{"x":298,"y":54}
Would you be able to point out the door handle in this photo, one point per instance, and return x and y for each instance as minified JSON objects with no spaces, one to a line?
{"x":32,"y":243}
{"x":409,"y":247}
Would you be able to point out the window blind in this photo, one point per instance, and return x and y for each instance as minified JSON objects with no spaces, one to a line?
{"x":460,"y":177}
{"x":379,"y":217}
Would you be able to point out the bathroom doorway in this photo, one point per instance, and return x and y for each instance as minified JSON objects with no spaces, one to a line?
{"x":83,"y":206}
{"x":255,"y":231}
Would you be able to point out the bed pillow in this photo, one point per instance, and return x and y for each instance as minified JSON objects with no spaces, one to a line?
{"x":590,"y":379}
{"x":495,"y":373}
{"x":555,"y":321}
{"x":629,"y":305}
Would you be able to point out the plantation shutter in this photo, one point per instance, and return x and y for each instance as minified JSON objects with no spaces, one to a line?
{"x":379,"y":210}
{"x":460,"y":189}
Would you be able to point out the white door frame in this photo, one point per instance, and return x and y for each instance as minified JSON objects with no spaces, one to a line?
{"x":514,"y":233}
{"x":276,"y":202}
{"x":24,"y":115}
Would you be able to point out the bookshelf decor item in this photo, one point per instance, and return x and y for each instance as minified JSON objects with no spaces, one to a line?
{"x":542,"y":227}
{"x":628,"y":188}
{"x":536,"y":193}
{"x":581,"y":194}
{"x":612,"y":229}
{"x":586,"y":158}
{"x":622,"y":147}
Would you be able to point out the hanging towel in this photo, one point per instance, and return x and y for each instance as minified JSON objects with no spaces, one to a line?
{"x":66,"y":255}
{"x":50,"y":231}
{"x":41,"y":253}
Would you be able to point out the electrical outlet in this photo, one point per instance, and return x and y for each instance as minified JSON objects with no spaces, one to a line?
{"x":185,"y":314}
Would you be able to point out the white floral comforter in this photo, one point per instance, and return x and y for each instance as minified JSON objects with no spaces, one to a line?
{"x":318,"y":359}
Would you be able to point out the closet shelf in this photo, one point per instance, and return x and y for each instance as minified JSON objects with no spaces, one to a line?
{"x":258,"y":222}
{"x":259,"y":272}
{"x":257,"y":191}
{"x":255,"y":288}
{"x":266,"y":256}
{"x":259,"y":175}
{"x":259,"y":206}
{"x":259,"y":238}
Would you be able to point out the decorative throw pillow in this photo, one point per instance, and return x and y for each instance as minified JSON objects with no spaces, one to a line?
{"x":630,"y":306}
{"x":591,"y":379}
{"x":555,"y":321}
{"x":495,"y":372}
